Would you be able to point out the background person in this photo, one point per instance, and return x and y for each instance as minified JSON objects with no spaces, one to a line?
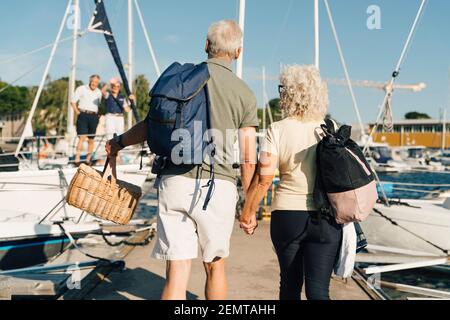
{"x":85,"y":103}
{"x":116,"y":106}
{"x":182,"y":224}
{"x":296,"y":229}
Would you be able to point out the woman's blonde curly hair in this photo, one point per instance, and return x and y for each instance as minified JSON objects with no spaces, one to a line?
{"x":305,"y":95}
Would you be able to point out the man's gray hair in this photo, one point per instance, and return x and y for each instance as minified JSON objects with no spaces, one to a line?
{"x":94,"y":76}
{"x":224,"y":37}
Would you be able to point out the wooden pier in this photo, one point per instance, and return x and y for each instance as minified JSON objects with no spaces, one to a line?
{"x":252,"y":271}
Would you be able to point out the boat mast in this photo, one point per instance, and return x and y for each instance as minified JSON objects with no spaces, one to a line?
{"x":239,"y":64}
{"x":316,"y":35}
{"x":264,"y":97}
{"x":130,"y":55}
{"x":444,"y":129}
{"x":444,"y":121}
{"x":73,"y":69}
{"x":44,"y":77}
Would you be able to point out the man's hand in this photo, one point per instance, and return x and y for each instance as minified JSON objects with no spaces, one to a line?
{"x":132,"y":97}
{"x":248,"y":223}
{"x":112,"y":148}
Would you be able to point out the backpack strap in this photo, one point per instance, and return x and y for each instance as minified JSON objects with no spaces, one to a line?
{"x":212,"y":153}
{"x":329,"y":127}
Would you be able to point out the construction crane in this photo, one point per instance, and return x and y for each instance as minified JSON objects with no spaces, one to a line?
{"x":388,"y":88}
{"x":379,"y":85}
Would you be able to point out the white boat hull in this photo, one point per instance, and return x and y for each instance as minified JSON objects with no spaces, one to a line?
{"x":430,"y":221}
{"x":34,"y":193}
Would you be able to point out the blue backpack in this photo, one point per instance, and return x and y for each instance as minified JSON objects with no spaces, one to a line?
{"x":179,"y":119}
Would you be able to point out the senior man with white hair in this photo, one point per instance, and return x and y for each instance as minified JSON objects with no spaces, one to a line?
{"x":183,"y":226}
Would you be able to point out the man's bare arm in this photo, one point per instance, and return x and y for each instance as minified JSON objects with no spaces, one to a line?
{"x":247,"y":146}
{"x":75,"y":108}
{"x":135,"y":135}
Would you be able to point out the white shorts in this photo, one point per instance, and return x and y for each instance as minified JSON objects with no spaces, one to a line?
{"x":183,"y":226}
{"x":114,"y":124}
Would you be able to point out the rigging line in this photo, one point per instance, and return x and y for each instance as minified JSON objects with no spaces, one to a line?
{"x":396,"y":72}
{"x":344,"y":66}
{"x":395,"y":223}
{"x":147,"y":38}
{"x":23,"y":55}
{"x":282,"y":27}
{"x":33,"y":51}
{"x":20,"y":78}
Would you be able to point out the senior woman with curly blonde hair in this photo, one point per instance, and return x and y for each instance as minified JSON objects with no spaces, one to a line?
{"x":306,"y":245}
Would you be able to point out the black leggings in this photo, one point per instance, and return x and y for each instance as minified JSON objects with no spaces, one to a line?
{"x":307,"y":248}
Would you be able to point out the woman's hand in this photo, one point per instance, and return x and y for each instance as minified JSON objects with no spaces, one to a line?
{"x":248,"y":223}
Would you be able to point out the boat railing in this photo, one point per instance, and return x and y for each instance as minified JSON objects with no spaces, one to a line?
{"x":428,"y":189}
{"x":7,"y":186}
{"x":36,"y":152}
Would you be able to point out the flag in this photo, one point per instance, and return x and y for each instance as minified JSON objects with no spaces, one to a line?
{"x":100,"y":24}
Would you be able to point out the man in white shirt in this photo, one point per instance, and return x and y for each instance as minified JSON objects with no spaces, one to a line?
{"x":85,"y":103}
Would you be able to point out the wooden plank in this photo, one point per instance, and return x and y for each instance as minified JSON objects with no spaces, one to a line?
{"x":5,"y":290}
{"x":101,"y":272}
{"x":416,"y":290}
{"x":405,"y":266}
{"x":36,"y":285}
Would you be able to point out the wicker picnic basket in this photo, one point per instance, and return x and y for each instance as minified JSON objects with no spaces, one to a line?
{"x":102,"y":195}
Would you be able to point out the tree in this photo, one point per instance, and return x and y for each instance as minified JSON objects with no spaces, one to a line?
{"x":414,"y":115}
{"x":274,"y":106}
{"x":14,"y":99}
{"x":141,"y":88}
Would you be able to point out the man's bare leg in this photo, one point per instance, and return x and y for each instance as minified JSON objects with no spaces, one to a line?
{"x":177,"y":278}
{"x":216,"y":287}
{"x":81,"y":140}
{"x":90,"y":150}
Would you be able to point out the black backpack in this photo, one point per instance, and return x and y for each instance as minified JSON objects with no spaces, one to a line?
{"x":345,"y":184}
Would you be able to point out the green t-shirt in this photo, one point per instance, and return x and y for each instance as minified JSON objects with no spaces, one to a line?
{"x":233,"y":106}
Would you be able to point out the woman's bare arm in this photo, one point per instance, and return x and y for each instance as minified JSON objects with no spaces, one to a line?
{"x":259,"y":186}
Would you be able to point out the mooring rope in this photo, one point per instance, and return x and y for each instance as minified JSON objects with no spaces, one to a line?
{"x":395,"y":223}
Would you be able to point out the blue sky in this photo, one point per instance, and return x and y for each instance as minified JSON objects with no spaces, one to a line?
{"x":277,"y":32}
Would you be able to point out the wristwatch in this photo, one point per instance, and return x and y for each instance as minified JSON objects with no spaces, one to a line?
{"x":118,"y":139}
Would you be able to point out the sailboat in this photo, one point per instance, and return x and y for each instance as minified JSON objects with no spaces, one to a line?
{"x":32,"y":202}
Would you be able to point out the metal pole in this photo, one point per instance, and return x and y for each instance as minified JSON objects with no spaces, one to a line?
{"x":130,"y":55}
{"x":264,"y":97}
{"x":44,"y":77}
{"x":147,"y":38}
{"x":344,"y":66}
{"x":444,"y":128}
{"x":316,"y":35}
{"x":239,"y":64}
{"x":73,"y":69}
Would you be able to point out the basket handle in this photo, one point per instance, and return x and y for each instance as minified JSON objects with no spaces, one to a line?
{"x":110,"y":170}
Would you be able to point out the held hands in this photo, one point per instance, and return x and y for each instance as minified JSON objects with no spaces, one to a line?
{"x":248,"y":223}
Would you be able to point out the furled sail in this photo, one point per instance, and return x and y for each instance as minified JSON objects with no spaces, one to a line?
{"x":100,"y":23}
